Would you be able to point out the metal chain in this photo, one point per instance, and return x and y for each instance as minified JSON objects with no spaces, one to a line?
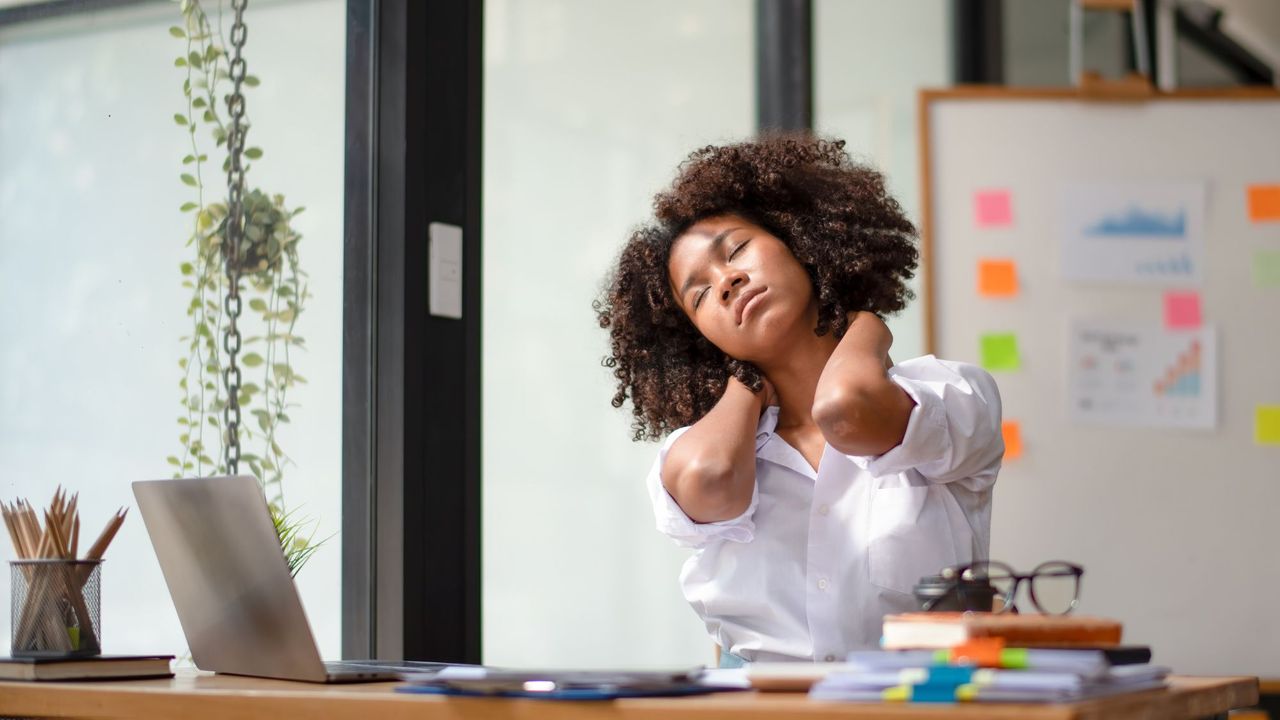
{"x":232,"y":238}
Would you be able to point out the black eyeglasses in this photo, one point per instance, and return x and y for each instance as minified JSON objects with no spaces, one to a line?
{"x":1054,"y":586}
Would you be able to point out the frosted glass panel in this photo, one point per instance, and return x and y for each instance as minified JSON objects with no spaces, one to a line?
{"x":91,"y":301}
{"x":589,"y":107}
{"x":870,"y":60}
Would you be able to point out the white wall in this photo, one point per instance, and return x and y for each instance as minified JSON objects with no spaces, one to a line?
{"x":91,"y":306}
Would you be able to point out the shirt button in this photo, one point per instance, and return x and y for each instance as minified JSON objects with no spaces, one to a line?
{"x":824,"y":509}
{"x":830,"y":658}
{"x":822,"y":583}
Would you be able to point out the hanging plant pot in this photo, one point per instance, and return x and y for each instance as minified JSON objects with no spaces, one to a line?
{"x":267,"y":239}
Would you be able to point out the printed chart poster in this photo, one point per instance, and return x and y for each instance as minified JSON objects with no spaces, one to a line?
{"x":1138,"y":233}
{"x":1143,"y":376}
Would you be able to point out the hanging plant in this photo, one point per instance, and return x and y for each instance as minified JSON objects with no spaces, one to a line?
{"x":235,"y":346}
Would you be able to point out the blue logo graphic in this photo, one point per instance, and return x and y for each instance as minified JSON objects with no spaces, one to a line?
{"x":1142,"y":223}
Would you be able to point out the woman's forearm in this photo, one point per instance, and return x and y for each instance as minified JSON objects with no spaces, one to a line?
{"x":858,"y":408}
{"x":710,"y":470}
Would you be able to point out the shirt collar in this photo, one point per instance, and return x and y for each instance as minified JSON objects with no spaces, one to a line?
{"x":776,"y":450}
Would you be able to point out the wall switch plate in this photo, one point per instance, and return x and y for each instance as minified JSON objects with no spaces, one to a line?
{"x":445,"y":269}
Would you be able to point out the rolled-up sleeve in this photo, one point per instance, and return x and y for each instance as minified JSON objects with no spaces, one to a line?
{"x":675,"y":524}
{"x":953,"y":434}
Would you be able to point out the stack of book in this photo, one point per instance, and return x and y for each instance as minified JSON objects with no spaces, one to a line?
{"x":954,"y":657}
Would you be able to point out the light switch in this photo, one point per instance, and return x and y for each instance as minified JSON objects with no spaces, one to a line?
{"x":445,"y":269}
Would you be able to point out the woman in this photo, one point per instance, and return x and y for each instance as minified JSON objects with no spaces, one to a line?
{"x":815,"y":480}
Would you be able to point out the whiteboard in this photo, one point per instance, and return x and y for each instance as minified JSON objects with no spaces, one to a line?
{"x":1178,"y":528}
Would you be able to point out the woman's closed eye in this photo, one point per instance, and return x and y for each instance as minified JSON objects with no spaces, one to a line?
{"x":697,"y":300}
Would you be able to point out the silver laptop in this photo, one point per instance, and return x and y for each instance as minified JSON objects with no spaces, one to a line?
{"x":237,"y":604}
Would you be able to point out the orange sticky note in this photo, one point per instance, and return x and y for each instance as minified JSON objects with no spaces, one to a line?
{"x":997,"y":278}
{"x":1012,"y":432}
{"x":1264,"y":203}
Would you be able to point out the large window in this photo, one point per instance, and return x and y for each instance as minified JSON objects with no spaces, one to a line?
{"x":92,"y":304}
{"x":589,"y":107}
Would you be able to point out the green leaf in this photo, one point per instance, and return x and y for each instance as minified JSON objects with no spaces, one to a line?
{"x":198,"y":103}
{"x":188,"y":206}
{"x":188,"y":159}
{"x":195,"y":60}
{"x":258,"y":304}
{"x":187,"y":179}
{"x":179,"y":62}
{"x":209,"y":116}
{"x":187,"y":268}
{"x":180,"y":119}
{"x":177,"y":32}
{"x":253,"y":153}
{"x":174,"y":461}
{"x":251,"y":360}
{"x":251,"y":80}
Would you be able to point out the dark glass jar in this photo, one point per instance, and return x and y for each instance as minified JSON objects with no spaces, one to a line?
{"x":936,"y":593}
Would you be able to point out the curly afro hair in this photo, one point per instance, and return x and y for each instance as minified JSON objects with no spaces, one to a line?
{"x":850,"y":236}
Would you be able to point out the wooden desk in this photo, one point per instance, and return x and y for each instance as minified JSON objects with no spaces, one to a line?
{"x":200,"y":696}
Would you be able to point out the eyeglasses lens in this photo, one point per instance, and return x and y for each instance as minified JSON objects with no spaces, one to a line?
{"x":1054,"y":588}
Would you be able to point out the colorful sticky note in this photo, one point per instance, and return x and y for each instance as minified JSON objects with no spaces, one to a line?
{"x":1012,"y":432}
{"x":997,"y":278}
{"x":1266,"y":268}
{"x":1181,"y":310}
{"x":993,"y":208}
{"x":1266,"y":425}
{"x":1000,"y":352}
{"x":1264,"y":203}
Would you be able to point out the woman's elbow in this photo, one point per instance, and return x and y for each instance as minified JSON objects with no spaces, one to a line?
{"x":708,"y":490}
{"x":850,"y":422}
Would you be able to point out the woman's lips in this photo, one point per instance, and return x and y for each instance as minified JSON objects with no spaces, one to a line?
{"x":746,"y":303}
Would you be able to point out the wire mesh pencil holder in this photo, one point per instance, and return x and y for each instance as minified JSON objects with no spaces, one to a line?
{"x":55,"y":608}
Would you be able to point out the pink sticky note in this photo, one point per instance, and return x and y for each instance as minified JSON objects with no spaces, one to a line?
{"x":1181,"y":310}
{"x":993,"y":208}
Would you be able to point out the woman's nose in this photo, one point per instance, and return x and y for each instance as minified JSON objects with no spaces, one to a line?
{"x":729,"y":282}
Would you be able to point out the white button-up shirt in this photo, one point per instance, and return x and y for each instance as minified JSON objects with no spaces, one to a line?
{"x":819,"y":558}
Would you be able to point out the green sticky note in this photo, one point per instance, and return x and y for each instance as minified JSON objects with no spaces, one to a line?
{"x":1000,"y":352}
{"x":1266,"y":425}
{"x":1266,"y":268}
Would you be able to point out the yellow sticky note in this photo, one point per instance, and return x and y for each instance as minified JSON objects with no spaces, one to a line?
{"x":1266,"y":425}
{"x":1012,"y":432}
{"x":997,"y":278}
{"x":1264,"y":203}
{"x":1000,"y":352}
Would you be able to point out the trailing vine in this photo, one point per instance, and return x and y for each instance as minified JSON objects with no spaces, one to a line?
{"x":276,"y":291}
